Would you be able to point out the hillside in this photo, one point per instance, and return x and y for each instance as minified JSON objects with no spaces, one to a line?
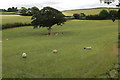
{"x":86,"y":11}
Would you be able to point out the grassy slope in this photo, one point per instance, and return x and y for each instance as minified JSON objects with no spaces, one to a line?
{"x":15,"y":18}
{"x":72,"y":61}
{"x":86,"y":11}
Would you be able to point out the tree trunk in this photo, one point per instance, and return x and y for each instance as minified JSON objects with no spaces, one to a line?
{"x":49,"y":30}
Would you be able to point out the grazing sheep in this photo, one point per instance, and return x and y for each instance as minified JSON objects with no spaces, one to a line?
{"x":24,"y":55}
{"x":88,"y":48}
{"x":7,"y":39}
{"x":0,"y":41}
{"x":56,"y":34}
{"x":55,"y":51}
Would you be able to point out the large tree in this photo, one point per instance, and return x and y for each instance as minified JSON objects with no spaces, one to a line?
{"x":47,"y":17}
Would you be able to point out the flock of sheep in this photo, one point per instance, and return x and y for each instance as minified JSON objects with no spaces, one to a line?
{"x":24,"y":55}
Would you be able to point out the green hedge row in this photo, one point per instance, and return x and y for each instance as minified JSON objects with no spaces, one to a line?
{"x":12,"y":25}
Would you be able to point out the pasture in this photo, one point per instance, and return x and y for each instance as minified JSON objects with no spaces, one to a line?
{"x":86,"y":11}
{"x":15,"y":18}
{"x":72,"y":60}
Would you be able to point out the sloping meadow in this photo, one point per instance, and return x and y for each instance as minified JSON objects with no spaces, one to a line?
{"x":71,"y":61}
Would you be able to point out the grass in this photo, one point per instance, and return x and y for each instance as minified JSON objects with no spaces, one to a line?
{"x":8,"y":13}
{"x":86,"y":11}
{"x":72,"y":61}
{"x":15,"y":19}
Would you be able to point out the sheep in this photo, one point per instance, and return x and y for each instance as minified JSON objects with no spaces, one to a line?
{"x":56,"y":34}
{"x":88,"y":48}
{"x":7,"y":39}
{"x":55,"y":51}
{"x":24,"y":55}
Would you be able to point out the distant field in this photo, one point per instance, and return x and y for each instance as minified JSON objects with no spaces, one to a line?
{"x":8,"y":13}
{"x":15,"y":18}
{"x":86,"y":11}
{"x":27,"y":19}
{"x":72,"y":61}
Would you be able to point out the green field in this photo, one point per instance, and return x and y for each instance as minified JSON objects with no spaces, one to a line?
{"x":72,"y":61}
{"x":86,"y":11}
{"x":15,"y":18}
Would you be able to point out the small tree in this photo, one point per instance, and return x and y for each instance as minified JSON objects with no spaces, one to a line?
{"x":47,"y":17}
{"x":104,"y":14}
{"x":23,"y":11}
{"x":82,"y":16}
{"x":76,"y":16}
{"x":113,"y":14}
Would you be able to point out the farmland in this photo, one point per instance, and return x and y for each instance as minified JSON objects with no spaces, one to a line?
{"x":72,"y":61}
{"x":86,"y":11}
{"x":15,"y":18}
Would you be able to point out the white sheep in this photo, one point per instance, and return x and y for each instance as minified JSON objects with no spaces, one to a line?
{"x":7,"y":39}
{"x":88,"y":48}
{"x":24,"y":55}
{"x":55,"y":51}
{"x":56,"y":34}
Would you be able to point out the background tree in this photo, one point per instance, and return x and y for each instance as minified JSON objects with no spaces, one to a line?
{"x":113,"y":14}
{"x":13,"y":9}
{"x":76,"y":16}
{"x":104,"y":14}
{"x":47,"y":17}
{"x":82,"y":16}
{"x":23,"y":11}
{"x":34,"y":10}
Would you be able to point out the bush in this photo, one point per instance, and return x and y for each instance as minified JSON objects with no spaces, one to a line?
{"x":9,"y":25}
{"x":93,"y":17}
{"x":76,"y":16}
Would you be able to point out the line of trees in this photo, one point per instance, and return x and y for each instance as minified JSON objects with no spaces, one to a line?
{"x":10,"y":9}
{"x":28,"y":12}
{"x":22,"y":11}
{"x":103,"y":15}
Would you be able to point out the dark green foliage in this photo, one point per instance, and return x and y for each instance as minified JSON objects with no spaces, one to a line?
{"x":23,"y":11}
{"x":10,"y":9}
{"x":12,"y":25}
{"x":79,"y":16}
{"x":82,"y":16}
{"x":34,"y":10}
{"x":113,"y":13}
{"x":47,"y":17}
{"x":93,"y":17}
{"x":118,"y":14}
{"x":104,"y":14}
{"x":13,"y":9}
{"x":76,"y":16}
{"x":28,"y":12}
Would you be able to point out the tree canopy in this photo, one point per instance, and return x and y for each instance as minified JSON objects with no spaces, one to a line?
{"x":47,"y":17}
